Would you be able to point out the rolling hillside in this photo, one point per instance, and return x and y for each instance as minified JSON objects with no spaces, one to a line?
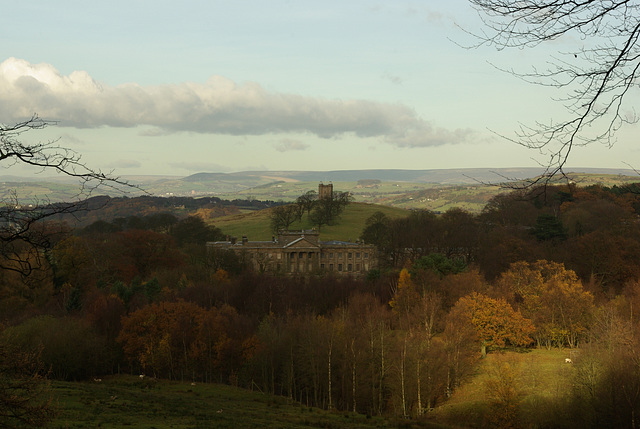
{"x":256,"y":225}
{"x":436,"y":190}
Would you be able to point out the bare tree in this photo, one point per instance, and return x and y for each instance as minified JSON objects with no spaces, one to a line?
{"x":23,"y":231}
{"x":25,"y":399}
{"x":596,"y":77}
{"x":282,"y":217}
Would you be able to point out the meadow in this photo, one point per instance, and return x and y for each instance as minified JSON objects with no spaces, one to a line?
{"x":128,"y":401}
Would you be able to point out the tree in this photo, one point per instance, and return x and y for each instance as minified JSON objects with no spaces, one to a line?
{"x":282,"y":217}
{"x":193,"y":229}
{"x":553,"y":297}
{"x":327,"y":210}
{"x":596,"y":76}
{"x":376,"y":230}
{"x":501,"y":389}
{"x":495,"y":322}
{"x":22,"y":234}
{"x":306,"y":202}
{"x":549,"y":228}
{"x":25,"y":400}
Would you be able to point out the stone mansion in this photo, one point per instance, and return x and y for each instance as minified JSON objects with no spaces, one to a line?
{"x":300,"y":252}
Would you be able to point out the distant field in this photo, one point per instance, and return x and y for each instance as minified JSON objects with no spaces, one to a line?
{"x":412,"y":193}
{"x":257,"y":225}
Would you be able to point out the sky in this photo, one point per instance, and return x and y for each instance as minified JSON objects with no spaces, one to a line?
{"x":176,"y":88}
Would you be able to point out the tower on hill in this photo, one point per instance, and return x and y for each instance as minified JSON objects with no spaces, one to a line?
{"x":325,"y":192}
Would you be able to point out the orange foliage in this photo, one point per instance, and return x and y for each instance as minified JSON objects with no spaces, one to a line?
{"x":495,"y":322}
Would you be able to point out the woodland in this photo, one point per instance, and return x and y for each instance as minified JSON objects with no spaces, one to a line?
{"x":551,"y":267}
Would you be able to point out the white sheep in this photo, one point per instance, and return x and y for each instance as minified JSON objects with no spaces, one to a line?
{"x":567,"y":360}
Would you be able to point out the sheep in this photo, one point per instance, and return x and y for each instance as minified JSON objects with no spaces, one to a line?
{"x":141,"y":376}
{"x":568,"y":360}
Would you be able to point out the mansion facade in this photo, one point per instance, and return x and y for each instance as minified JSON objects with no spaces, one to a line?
{"x":301,"y":252}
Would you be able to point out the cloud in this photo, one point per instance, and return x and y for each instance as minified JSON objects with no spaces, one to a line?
{"x":393,"y":78}
{"x":288,"y":145}
{"x":195,"y":166}
{"x":124,"y":163}
{"x":218,"y":106}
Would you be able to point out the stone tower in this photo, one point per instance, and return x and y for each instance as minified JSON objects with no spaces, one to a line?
{"x":325,"y":191}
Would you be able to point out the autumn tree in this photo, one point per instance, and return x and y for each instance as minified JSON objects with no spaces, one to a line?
{"x":495,"y":322}
{"x":159,"y":337}
{"x":553,"y":297}
{"x":503,"y":393}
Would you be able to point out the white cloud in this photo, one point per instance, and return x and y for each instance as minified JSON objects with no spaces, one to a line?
{"x":287,"y":145}
{"x":218,"y":106}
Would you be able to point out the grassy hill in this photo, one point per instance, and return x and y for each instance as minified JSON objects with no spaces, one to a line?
{"x":128,"y":401}
{"x":540,"y":377}
{"x":256,"y":225}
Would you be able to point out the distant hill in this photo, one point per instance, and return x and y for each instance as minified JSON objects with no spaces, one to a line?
{"x":434,"y":189}
{"x":442,"y":176}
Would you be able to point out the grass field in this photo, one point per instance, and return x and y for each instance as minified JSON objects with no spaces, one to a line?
{"x":540,"y":376}
{"x":127,"y":401}
{"x":256,"y":225}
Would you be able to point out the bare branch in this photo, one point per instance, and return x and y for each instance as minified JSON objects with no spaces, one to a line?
{"x":596,"y":77}
{"x":23,"y":234}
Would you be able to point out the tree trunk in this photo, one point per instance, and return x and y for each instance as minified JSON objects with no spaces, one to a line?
{"x":402,"y":376}
{"x":353,"y":374}
{"x":330,"y":352}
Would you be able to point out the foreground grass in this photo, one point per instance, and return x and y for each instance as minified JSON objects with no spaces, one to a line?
{"x":127,"y":401}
